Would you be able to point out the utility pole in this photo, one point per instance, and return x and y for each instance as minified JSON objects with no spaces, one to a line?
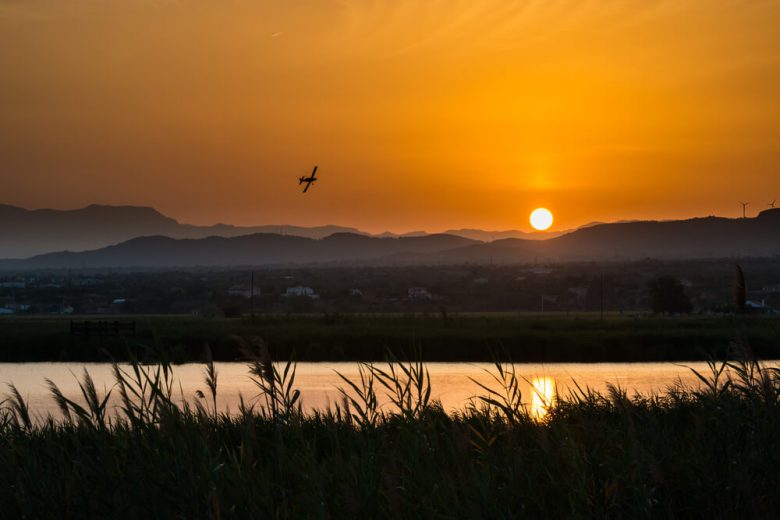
{"x":602,"y":296}
{"x":252,"y":297}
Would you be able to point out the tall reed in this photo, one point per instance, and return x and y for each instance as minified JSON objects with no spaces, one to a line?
{"x":704,"y":451}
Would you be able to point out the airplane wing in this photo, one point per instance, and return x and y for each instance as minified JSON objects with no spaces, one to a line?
{"x":313,"y":173}
{"x":307,"y":186}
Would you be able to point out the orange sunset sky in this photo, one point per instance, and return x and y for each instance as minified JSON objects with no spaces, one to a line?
{"x":420,"y":114}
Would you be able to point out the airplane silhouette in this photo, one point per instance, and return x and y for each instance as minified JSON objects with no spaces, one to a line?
{"x":308,"y":180}
{"x":772,"y":204}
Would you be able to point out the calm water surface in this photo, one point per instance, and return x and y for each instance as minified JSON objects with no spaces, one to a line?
{"x":319,"y":383}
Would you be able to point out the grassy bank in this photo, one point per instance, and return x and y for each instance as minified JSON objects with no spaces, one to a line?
{"x":711,"y":452}
{"x":439,"y":337}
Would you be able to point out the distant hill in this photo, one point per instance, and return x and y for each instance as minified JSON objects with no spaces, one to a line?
{"x":256,"y":249}
{"x":490,"y":236}
{"x":481,"y":235}
{"x":24,"y":232}
{"x":710,"y":237}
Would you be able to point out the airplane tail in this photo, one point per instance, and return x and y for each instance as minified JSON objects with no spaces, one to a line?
{"x":301,"y":180}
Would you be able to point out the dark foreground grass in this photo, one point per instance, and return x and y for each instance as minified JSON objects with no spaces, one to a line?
{"x":711,"y":452}
{"x":366,"y":337}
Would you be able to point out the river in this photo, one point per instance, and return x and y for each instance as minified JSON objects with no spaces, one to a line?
{"x":319,"y":383}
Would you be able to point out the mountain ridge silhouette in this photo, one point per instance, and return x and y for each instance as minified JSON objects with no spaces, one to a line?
{"x":705,"y":237}
{"x":26,"y":232}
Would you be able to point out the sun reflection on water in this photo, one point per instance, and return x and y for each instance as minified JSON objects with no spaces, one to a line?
{"x":542,"y":396}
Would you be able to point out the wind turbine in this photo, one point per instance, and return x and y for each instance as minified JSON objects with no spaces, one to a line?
{"x":744,"y":206}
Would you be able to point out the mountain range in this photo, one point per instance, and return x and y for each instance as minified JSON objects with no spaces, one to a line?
{"x":710,"y":237}
{"x":24,"y":232}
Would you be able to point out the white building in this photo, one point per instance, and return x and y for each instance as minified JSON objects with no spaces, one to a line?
{"x":13,"y":285}
{"x":419,"y":293}
{"x":541,"y":271}
{"x":580,"y":293}
{"x":300,"y":290}
{"x":759,"y":307}
{"x":243,"y":292}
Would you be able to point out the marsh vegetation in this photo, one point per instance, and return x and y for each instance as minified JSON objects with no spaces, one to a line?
{"x":705,"y":451}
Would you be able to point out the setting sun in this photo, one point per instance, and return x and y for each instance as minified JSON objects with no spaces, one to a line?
{"x":541,"y":219}
{"x":542,"y":396}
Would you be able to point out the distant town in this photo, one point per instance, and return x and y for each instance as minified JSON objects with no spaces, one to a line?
{"x":708,"y":285}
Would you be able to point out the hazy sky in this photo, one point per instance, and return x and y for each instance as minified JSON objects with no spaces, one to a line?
{"x":420,"y":114}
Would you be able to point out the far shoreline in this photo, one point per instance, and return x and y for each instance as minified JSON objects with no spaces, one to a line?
{"x":432,"y":337}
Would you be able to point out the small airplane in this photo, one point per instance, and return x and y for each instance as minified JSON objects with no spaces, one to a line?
{"x":308,"y":180}
{"x":772,"y":204}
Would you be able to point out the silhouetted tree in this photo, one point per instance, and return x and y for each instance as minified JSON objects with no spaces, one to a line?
{"x":740,"y":293}
{"x":667,"y":295}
